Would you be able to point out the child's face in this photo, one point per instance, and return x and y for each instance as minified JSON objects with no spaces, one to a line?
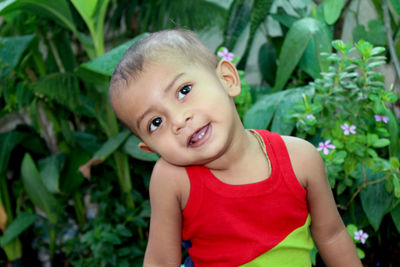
{"x":183,"y":112}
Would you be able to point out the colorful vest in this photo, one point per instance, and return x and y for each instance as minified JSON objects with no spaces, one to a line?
{"x":258,"y":224}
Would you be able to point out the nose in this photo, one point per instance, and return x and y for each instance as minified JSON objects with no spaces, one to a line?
{"x":180,"y":121}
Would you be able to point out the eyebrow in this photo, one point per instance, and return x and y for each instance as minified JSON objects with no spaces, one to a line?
{"x":166,"y":89}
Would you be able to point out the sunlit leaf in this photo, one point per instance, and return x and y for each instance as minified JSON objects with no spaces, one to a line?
{"x":106,"y":63}
{"x":332,"y":10}
{"x":54,"y":9}
{"x":93,"y":13}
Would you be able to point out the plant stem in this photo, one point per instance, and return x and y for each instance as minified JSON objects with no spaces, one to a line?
{"x":364,"y":184}
{"x":56,"y":54}
{"x":79,"y":209}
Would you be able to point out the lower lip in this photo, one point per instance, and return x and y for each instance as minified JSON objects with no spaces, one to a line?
{"x":205,"y":137}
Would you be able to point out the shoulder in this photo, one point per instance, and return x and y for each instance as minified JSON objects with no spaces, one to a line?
{"x":169,"y":182}
{"x":306,"y":160}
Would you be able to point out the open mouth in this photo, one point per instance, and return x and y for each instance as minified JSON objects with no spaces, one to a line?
{"x":199,"y":136}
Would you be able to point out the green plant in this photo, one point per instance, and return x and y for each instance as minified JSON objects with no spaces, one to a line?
{"x":348,"y":116}
{"x":109,"y":238}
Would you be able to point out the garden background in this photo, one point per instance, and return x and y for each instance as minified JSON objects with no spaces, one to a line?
{"x":74,"y":185}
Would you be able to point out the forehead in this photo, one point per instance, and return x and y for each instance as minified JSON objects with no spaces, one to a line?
{"x":145,"y":90}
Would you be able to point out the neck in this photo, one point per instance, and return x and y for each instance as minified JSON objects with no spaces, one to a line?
{"x":236,"y":154}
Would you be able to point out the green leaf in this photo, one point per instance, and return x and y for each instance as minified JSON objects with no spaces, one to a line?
{"x":339,"y":156}
{"x":13,"y":250}
{"x":274,"y":106}
{"x":374,"y":199}
{"x":382,"y":142}
{"x":396,"y":184}
{"x":361,"y":253}
{"x":279,"y":123}
{"x":395,"y":213}
{"x":8,"y":141}
{"x":332,"y":10}
{"x":72,"y":178}
{"x":60,"y":87}
{"x":351,"y":228}
{"x":238,"y":18}
{"x":295,"y":44}
{"x":36,"y":191}
{"x":312,"y":62}
{"x":105,"y":64}
{"x":11,"y":51}
{"x":54,"y":9}
{"x":267,"y":62}
{"x":111,"y":145}
{"x":20,"y":224}
{"x":260,"y":114}
{"x":394,"y":162}
{"x":393,"y":127}
{"x":85,"y":8}
{"x":105,"y":150}
{"x":50,"y":169}
{"x":93,"y":13}
{"x":258,"y":15}
{"x":376,"y":34}
{"x":131,"y":147}
{"x":396,"y":6}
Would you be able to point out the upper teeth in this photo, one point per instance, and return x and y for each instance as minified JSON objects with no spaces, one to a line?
{"x":201,"y":135}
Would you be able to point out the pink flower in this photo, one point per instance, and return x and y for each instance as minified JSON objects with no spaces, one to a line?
{"x":348,"y":129}
{"x":360,"y":235}
{"x":381,"y":118}
{"x":225,"y":54}
{"x":325,"y":146}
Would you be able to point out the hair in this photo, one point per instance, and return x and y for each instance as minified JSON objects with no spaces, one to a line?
{"x":179,"y":43}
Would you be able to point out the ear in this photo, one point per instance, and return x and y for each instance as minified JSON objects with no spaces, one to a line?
{"x":145,"y":148}
{"x":229,"y":76}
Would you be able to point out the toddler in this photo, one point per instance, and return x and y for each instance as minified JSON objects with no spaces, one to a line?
{"x":234,"y":196}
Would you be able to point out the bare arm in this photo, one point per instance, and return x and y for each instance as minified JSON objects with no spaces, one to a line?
{"x":164,"y":245}
{"x":327,"y":228}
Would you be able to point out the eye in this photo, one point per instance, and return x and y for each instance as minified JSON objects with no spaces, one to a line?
{"x":184,"y":91}
{"x":154,"y":124}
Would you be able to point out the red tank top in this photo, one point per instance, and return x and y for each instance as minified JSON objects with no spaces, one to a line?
{"x":231,"y":225}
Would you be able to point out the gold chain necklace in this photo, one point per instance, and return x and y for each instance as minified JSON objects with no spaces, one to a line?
{"x":262,"y":146}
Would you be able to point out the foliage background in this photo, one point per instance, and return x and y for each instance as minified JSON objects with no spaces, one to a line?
{"x":73,"y":182}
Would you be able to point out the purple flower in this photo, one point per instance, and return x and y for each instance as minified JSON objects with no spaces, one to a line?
{"x":325,"y":146}
{"x":225,"y":54}
{"x":360,"y":235}
{"x":348,"y":129}
{"x":310,"y":117}
{"x":381,"y":118}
